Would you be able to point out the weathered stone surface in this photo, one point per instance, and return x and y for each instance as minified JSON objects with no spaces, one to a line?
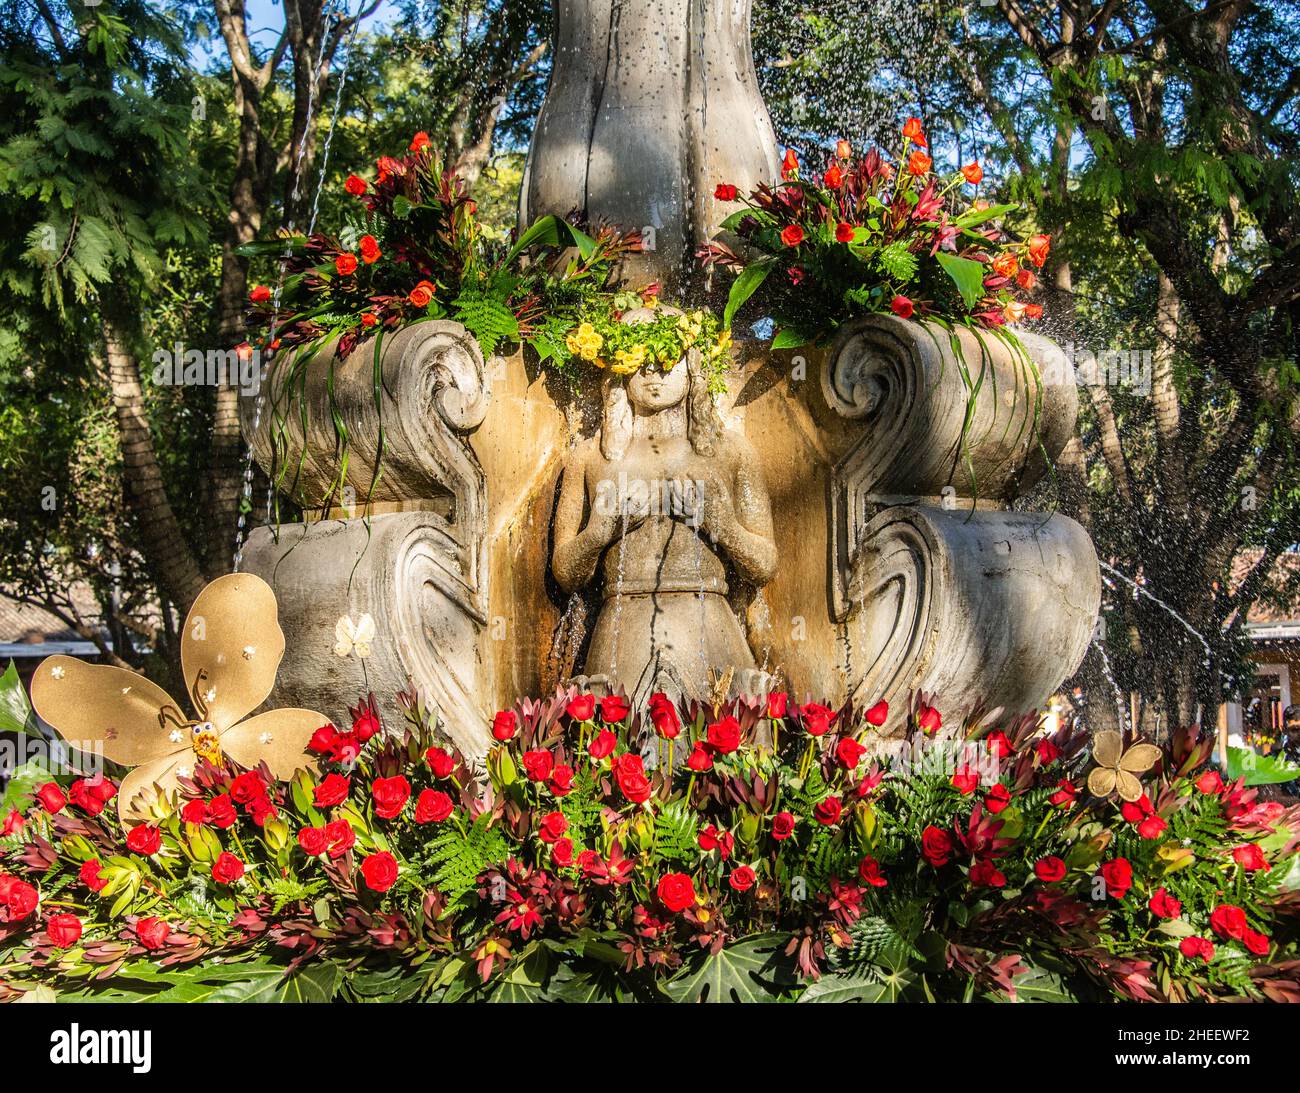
{"x":650,"y":106}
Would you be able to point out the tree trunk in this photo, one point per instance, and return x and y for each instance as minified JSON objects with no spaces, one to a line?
{"x":161,"y":541}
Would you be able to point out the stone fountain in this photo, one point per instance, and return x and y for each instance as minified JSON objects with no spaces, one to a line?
{"x":816,"y":528}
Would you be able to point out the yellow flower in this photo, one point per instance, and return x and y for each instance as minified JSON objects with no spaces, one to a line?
{"x":629,"y":360}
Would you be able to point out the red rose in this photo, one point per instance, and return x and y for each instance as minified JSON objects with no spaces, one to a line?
{"x":1033,"y":311}
{"x":997,"y":798}
{"x":633,"y":782}
{"x":423,"y":292}
{"x":701,"y":758}
{"x":1250,"y":857}
{"x":259,"y":294}
{"x":341,"y":837}
{"x":918,"y":163}
{"x":1210,"y":782}
{"x":538,"y":764}
{"x":221,"y":811}
{"x":966,"y":780}
{"x":849,"y":753}
{"x":1047,"y":752}
{"x":1193,"y":947}
{"x":1037,"y":248}
{"x":1151,"y":827}
{"x":999,"y":745}
{"x":1118,"y":875}
{"x":440,"y":762}
{"x":13,"y":822}
{"x":936,"y":845}
{"x":247,"y":788}
{"x":782,"y":825}
{"x":816,"y":719}
{"x":833,"y":179}
{"x":1255,"y":942}
{"x":227,"y":868}
{"x":789,"y":164}
{"x":90,"y":875}
{"x":827,"y":811}
{"x":1228,"y":921}
{"x":777,"y":704}
{"x":262,"y":810}
{"x":901,"y":306}
{"x":1049,"y":870}
{"x":710,"y":839}
{"x":390,"y":796}
{"x":370,"y":251}
{"x":741,"y":878}
{"x":973,"y":173}
{"x":724,"y":192}
{"x":602,"y":745}
{"x":64,"y":931}
{"x":581,"y":707}
{"x":368,"y":318}
{"x":144,"y":840}
{"x":333,"y":790}
{"x":367,"y":722}
{"x":1163,"y":905}
{"x":984,"y":874}
{"x":432,"y":807}
{"x":877,"y":714}
{"x":844,"y":233}
{"x":663,"y":715}
{"x":561,"y":780}
{"x":420,"y":140}
{"x":1066,"y":792}
{"x":355,"y":186}
{"x":928,"y":720}
{"x":724,"y":735}
{"x":504,"y":725}
{"x":380,"y":871}
{"x":195,"y":811}
{"x":676,"y":892}
{"x":913,"y":132}
{"x":792,"y":235}
{"x":313,"y":841}
{"x":51,"y":798}
{"x":19,"y":897}
{"x":562,"y":852}
{"x":869,"y":872}
{"x":322,"y":740}
{"x":345,"y":264}
{"x":613,"y":708}
{"x":552,"y":827}
{"x":152,"y":932}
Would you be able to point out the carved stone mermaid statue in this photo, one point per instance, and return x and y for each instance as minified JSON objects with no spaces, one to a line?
{"x":668,"y":505}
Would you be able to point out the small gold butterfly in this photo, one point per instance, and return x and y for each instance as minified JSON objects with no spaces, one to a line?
{"x":353,"y":638}
{"x":1117,"y":769}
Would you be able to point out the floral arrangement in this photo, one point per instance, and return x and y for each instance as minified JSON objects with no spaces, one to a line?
{"x":872,"y":235}
{"x":798,"y":852}
{"x":416,"y":251}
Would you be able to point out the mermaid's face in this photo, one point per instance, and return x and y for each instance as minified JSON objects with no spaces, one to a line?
{"x":650,"y":389}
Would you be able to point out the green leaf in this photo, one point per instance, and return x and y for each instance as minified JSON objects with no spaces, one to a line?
{"x":972,"y":217}
{"x":790,"y":338}
{"x":743,"y":287}
{"x":966,"y":274}
{"x":15,"y":710}
{"x":873,"y":985}
{"x":1258,"y":770}
{"x":732,"y":975}
{"x":1039,"y":985}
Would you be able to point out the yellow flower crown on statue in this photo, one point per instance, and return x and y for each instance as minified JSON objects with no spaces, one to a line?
{"x":231,"y":647}
{"x":635,"y":331}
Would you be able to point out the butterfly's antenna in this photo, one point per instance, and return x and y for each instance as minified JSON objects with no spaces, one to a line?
{"x":196,"y":696}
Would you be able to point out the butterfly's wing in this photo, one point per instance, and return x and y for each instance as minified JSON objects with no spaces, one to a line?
{"x":103,"y":709}
{"x":1140,"y":757}
{"x":158,"y":776}
{"x":277,"y":737}
{"x":1130,"y":789}
{"x":231,"y":647}
{"x":344,"y":632}
{"x":364,"y":636}
{"x":1101,"y":781}
{"x":1107,"y":747}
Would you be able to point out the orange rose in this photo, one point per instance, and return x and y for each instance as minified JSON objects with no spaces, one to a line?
{"x":843,"y":149}
{"x":972,"y":173}
{"x":1005,"y":265}
{"x":345,"y":264}
{"x":420,"y":140}
{"x":792,"y":235}
{"x":369,"y":249}
{"x":834,"y":177}
{"x":422,"y":294}
{"x":918,"y":163}
{"x":1038,"y":247}
{"x":913,"y":132}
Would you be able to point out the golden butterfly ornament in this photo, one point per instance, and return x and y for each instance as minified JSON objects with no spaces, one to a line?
{"x":231,"y":647}
{"x":1117,"y":770}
